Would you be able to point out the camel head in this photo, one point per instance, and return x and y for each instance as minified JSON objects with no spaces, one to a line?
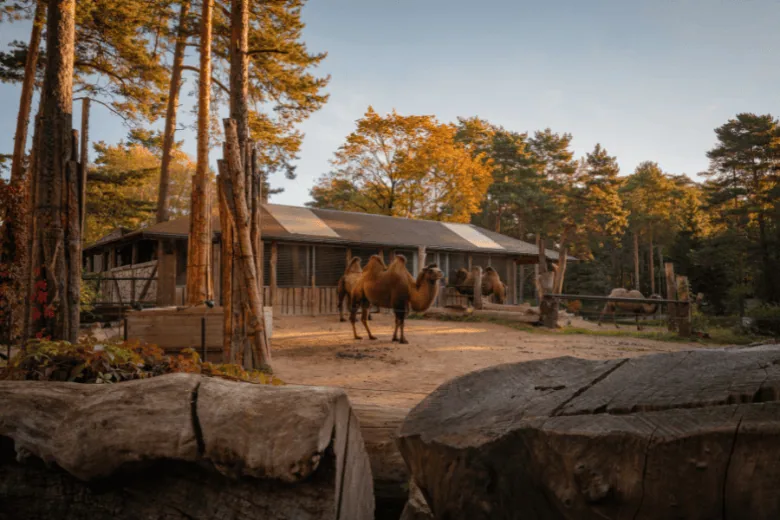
{"x":461,"y":276}
{"x":432,"y":274}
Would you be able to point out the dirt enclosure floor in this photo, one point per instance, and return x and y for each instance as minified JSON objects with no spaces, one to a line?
{"x":321,"y":351}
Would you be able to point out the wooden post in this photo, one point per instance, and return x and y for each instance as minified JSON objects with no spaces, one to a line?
{"x":671,"y":294}
{"x":272,"y":273}
{"x":537,"y":296}
{"x":203,"y":338}
{"x":469,"y":262}
{"x":511,"y":280}
{"x":166,"y":273}
{"x":683,"y":308}
{"x":420,"y":259}
{"x":477,"y":275}
{"x":521,"y":285}
{"x":349,"y":255}
{"x":313,"y":296}
{"x":548,"y":311}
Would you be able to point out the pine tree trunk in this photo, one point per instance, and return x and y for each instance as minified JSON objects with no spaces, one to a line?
{"x":239,"y":69}
{"x":56,"y":251}
{"x":652,"y":264}
{"x":636,"y":261}
{"x":84,"y":157}
{"x":560,"y":274}
{"x":240,"y":188}
{"x":28,"y":87}
{"x":163,"y":213}
{"x":200,"y":229}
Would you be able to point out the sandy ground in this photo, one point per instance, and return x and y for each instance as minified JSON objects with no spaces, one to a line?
{"x":321,"y":351}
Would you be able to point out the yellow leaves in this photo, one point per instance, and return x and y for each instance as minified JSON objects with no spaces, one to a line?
{"x":408,"y":166}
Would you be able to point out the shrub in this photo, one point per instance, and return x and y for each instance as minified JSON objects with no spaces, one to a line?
{"x":574,"y":306}
{"x":91,"y":362}
{"x":765,"y":319}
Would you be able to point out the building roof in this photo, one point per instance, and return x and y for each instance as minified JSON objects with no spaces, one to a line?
{"x":325,"y":226}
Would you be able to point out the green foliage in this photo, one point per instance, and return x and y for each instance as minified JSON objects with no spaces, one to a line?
{"x":765,"y":320}
{"x":112,"y":362}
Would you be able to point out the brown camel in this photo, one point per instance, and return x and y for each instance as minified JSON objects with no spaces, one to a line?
{"x":347,"y":284}
{"x":491,"y":284}
{"x":646,"y":309}
{"x":393,"y":288}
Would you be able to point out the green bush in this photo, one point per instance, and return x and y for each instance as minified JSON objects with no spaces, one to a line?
{"x":765,"y":320}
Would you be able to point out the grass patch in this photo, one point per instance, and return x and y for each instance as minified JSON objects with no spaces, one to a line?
{"x":717,"y":335}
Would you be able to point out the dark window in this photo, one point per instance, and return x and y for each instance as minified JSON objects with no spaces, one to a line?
{"x":124,"y":255}
{"x":293,"y":267}
{"x":329,"y":263}
{"x":147,"y":251}
{"x":181,"y":262}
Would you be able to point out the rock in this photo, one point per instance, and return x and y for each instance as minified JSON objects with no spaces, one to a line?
{"x":692,"y":435}
{"x":416,"y":508}
{"x":180,"y":446}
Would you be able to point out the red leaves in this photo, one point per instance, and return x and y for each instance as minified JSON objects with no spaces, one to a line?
{"x":48,"y":312}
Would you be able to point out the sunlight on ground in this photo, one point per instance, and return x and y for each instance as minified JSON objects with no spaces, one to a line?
{"x":456,"y":348}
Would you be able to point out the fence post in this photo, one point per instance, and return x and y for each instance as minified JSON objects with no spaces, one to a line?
{"x":683,"y":308}
{"x":272,"y":273}
{"x":548,"y":312}
{"x":671,"y":294}
{"x":125,"y":331}
{"x":314,"y":297}
{"x":203,"y":338}
{"x":477,"y":275}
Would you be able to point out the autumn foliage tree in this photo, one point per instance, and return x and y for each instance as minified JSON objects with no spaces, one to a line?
{"x":408,"y":166}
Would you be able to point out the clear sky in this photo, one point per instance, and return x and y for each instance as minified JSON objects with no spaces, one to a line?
{"x":648,"y":79}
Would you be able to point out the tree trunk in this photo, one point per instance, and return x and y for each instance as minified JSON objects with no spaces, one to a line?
{"x":651,"y":273}
{"x":200,"y":219}
{"x":238,"y":179}
{"x":636,"y":261}
{"x":28,"y":87}
{"x":675,"y":435}
{"x":84,"y":157}
{"x":163,"y":214}
{"x":55,"y":262}
{"x":239,"y":69}
{"x":560,"y":274}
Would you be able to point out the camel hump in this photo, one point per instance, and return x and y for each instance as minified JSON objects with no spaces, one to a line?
{"x":401,"y":258}
{"x":489,"y":269}
{"x":353,"y":266}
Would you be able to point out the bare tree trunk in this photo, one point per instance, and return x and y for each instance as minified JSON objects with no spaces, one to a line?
{"x":560,"y":274}
{"x":240,"y":185}
{"x":235,"y":176}
{"x":163,"y":213}
{"x":28,"y":87}
{"x":652,"y":264}
{"x":239,"y":69}
{"x":200,"y":232}
{"x":636,"y":261}
{"x":56,"y":254}
{"x":84,"y":157}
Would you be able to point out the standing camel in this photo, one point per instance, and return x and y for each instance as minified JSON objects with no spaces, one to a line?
{"x":393,"y":288}
{"x":491,"y":284}
{"x":347,"y":284}
{"x":645,"y":309}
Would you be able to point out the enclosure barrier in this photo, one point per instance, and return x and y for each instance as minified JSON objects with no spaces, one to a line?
{"x":679,"y":310}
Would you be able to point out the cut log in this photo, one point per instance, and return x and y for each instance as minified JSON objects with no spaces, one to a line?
{"x":180,"y":446}
{"x":379,"y":426}
{"x":692,"y":435}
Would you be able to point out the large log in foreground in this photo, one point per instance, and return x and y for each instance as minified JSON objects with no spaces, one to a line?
{"x":692,"y":435}
{"x":180,"y":446}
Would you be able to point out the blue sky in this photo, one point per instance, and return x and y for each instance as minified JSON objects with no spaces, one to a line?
{"x":648,"y":79}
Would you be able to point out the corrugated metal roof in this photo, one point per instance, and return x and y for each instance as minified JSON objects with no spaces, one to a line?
{"x":472,"y":234}
{"x":360,"y":228}
{"x":300,"y":221}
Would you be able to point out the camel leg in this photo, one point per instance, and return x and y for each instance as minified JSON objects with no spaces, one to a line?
{"x":603,"y":311}
{"x":614,"y":317}
{"x":342,"y":295}
{"x":364,"y":319}
{"x":353,"y":317}
{"x":401,"y":316}
{"x":395,"y":331}
{"x":636,"y":316}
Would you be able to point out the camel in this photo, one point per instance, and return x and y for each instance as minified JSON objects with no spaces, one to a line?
{"x":645,"y":309}
{"x":347,"y":284}
{"x":392,"y":287}
{"x":491,"y":284}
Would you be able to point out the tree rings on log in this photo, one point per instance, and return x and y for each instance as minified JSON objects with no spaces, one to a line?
{"x":181,"y":446}
{"x":693,"y":435}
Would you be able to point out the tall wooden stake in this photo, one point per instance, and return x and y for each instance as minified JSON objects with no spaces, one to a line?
{"x":671,"y":294}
